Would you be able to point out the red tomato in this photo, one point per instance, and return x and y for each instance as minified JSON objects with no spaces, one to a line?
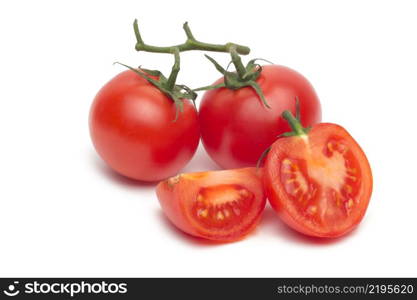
{"x":319,"y":183}
{"x":217,"y":205}
{"x":236,"y":127}
{"x":132,"y":128}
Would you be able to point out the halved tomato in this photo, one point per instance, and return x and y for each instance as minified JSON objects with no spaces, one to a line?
{"x":216,"y":205}
{"x":319,"y":180}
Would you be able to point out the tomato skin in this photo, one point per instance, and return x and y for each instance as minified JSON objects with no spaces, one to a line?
{"x":303,"y":149}
{"x":235,"y":125}
{"x":177,"y":196}
{"x":132,"y":129}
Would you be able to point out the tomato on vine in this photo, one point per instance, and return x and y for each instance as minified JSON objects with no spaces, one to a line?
{"x":144,"y":125}
{"x":240,"y":113}
{"x":139,"y":131}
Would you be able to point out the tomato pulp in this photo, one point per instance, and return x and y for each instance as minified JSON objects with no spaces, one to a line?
{"x":133,"y":129}
{"x":217,"y":205}
{"x":236,"y":127}
{"x":320,"y":183}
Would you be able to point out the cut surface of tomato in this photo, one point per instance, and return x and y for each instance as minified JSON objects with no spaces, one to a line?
{"x":217,"y":205}
{"x":320,"y":183}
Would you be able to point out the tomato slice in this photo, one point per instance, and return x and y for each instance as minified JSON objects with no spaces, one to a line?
{"x":217,"y":205}
{"x":320,"y":183}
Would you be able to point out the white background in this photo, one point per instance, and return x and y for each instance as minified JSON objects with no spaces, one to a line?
{"x":64,"y":213}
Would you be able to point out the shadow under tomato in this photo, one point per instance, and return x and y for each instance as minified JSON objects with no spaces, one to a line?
{"x":185,"y":237}
{"x":116,"y":177}
{"x":200,"y":162}
{"x":274,"y":225}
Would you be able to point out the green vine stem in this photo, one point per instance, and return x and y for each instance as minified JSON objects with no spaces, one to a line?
{"x":168,"y":85}
{"x":174,"y":71}
{"x":190,"y":44}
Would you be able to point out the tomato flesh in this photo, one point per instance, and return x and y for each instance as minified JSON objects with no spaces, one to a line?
{"x":218,"y":205}
{"x":319,"y":183}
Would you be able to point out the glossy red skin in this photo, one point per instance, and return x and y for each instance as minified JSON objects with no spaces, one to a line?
{"x":295,"y":147}
{"x":176,"y":194}
{"x":235,"y":125}
{"x":132,"y":128}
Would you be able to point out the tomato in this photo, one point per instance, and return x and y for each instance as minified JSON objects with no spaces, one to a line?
{"x":320,"y":182}
{"x":132,"y":127}
{"x":236,"y":127}
{"x":217,"y":205}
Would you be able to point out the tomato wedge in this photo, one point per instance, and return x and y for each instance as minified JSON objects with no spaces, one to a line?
{"x":319,"y":181}
{"x":217,"y":205}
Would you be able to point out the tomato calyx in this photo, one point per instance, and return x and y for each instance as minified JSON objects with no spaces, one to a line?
{"x":174,"y":91}
{"x":245,"y":76}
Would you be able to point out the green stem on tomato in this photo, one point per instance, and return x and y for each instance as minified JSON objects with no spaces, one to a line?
{"x":174,"y":71}
{"x":295,"y":122}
